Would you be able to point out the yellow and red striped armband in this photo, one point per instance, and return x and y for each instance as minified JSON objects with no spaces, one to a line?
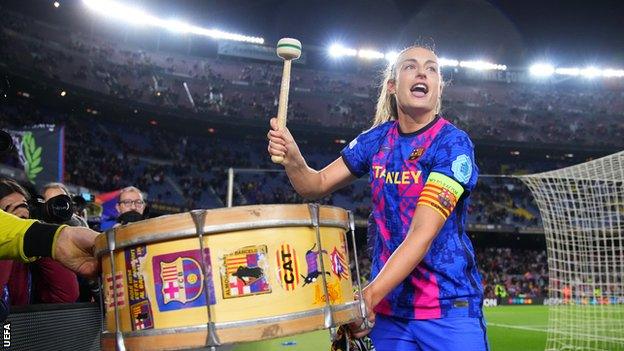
{"x":440,"y":193}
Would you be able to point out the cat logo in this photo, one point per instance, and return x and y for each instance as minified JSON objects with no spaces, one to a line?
{"x":288,"y":267}
{"x":419,"y":151}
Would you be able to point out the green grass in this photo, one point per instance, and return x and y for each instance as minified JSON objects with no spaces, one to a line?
{"x":314,"y":341}
{"x":517,"y":328}
{"x":510,"y":328}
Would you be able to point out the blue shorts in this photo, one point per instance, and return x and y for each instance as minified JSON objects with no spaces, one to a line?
{"x":444,"y":334}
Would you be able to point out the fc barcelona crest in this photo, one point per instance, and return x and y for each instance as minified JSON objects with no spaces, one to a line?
{"x":416,"y":153}
{"x":181,"y":279}
{"x":447,"y":199}
{"x":180,"y":282}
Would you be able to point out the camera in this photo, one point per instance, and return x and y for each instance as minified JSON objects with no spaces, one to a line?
{"x":57,"y":210}
{"x":6,"y":142}
{"x":81,"y":201}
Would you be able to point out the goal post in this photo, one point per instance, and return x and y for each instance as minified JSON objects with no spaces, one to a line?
{"x":582,"y":209}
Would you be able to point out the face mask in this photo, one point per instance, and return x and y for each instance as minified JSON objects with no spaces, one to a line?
{"x":129,"y":217}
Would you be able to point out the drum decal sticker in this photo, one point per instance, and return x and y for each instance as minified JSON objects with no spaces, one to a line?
{"x":312,"y":261}
{"x":179,"y":280}
{"x":288,"y":267}
{"x":142,"y":316}
{"x":140,"y":308}
{"x":339,"y":264}
{"x":333,"y":290}
{"x":109,"y":300}
{"x":244,"y":272}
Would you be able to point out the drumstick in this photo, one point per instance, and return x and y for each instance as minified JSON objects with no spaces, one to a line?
{"x":289,"y":49}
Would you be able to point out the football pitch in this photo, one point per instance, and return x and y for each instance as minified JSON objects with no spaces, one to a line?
{"x":510,"y":328}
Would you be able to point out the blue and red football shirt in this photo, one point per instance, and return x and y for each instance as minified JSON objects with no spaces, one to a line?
{"x":432,"y":167}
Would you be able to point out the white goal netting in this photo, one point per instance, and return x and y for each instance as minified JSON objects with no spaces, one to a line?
{"x":582,"y":210}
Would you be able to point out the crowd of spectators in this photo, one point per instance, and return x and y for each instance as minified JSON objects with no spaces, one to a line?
{"x":191,"y":171}
{"x":519,"y":272}
{"x":565,"y":113}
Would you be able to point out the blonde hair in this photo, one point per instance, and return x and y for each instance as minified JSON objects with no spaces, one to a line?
{"x":387,"y":109}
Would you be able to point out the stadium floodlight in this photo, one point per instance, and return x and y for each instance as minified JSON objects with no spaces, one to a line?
{"x":542,"y":70}
{"x":482,"y":65}
{"x":590,"y":72}
{"x":370,"y":54}
{"x":391,"y":56}
{"x":177,"y":26}
{"x":610,"y":73}
{"x":568,"y":71}
{"x":337,"y":50}
{"x":121,"y":12}
{"x":135,"y":16}
{"x":444,"y":62}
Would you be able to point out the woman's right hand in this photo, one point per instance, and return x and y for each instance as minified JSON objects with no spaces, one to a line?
{"x":282,"y":143}
{"x":359,"y":329}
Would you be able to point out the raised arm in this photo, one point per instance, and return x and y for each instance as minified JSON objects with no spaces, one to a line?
{"x":307,"y":182}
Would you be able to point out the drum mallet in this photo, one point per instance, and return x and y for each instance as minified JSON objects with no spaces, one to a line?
{"x":289,"y":49}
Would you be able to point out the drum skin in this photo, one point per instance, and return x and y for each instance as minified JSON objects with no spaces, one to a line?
{"x":262,"y":277}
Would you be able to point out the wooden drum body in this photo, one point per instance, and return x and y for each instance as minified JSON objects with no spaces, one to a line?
{"x":223,"y":276}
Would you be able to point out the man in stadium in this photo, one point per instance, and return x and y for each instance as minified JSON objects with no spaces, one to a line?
{"x":51,"y":190}
{"x":88,"y":287}
{"x":425,"y":291}
{"x":25,"y":240}
{"x":42,"y":281}
{"x":130,"y":206}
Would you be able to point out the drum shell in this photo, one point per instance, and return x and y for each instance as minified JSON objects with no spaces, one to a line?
{"x":275,"y":243}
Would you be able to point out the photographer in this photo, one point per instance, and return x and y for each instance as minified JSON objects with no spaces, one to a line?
{"x":89,"y":289}
{"x":52,"y":190}
{"x":42,"y":281}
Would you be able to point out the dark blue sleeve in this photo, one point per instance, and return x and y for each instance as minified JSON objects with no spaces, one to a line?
{"x":357,"y":155}
{"x":455,"y":158}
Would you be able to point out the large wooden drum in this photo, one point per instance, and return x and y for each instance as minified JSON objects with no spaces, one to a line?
{"x":211,"y":277}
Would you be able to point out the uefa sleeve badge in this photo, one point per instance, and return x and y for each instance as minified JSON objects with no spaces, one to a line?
{"x":462,"y":168}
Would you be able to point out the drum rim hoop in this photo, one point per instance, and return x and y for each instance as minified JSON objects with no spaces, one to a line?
{"x":147,"y":238}
{"x":235,"y":324}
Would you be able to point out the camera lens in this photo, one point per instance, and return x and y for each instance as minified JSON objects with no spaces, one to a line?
{"x":6,"y":142}
{"x":59,"y":209}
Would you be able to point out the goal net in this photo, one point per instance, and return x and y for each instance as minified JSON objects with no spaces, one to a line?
{"x":582,"y":210}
